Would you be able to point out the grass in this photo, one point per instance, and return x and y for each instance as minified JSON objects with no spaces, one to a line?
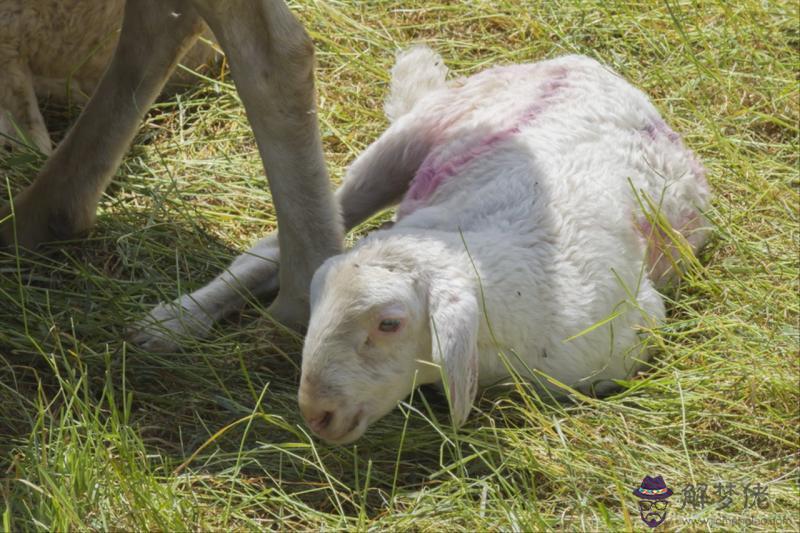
{"x":97,"y":435}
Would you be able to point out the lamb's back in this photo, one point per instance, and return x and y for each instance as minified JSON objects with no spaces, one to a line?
{"x":566,"y":134}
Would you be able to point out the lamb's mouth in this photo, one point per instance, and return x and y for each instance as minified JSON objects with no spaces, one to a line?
{"x":356,"y":421}
{"x":356,"y":428}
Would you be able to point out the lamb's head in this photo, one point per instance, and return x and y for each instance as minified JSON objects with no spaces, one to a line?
{"x":370,"y":341}
{"x":367,"y":328}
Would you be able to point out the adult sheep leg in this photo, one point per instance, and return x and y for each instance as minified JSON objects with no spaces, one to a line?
{"x":19,"y":110}
{"x":62,"y":201}
{"x":376,"y":180}
{"x":272,"y":62}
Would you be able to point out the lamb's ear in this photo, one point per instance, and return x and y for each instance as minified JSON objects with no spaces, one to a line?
{"x":454,"y":321}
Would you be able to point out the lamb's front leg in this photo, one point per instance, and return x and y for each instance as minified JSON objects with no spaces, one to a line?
{"x":272,"y":62}
{"x":252,"y":275}
{"x":375,"y":181}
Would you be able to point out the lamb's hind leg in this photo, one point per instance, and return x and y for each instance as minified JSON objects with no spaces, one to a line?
{"x":62,"y":201}
{"x":376,"y":180}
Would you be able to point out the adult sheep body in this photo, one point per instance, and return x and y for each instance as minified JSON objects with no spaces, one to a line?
{"x":521,"y":232}
{"x":59,"y":49}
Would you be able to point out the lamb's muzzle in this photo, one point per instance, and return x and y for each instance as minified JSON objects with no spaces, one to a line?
{"x":328,"y":416}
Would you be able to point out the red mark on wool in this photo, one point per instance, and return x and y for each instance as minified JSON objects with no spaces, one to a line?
{"x":659,"y":129}
{"x":433,"y":173}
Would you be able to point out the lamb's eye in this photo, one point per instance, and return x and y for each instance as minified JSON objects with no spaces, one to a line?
{"x":389,"y":325}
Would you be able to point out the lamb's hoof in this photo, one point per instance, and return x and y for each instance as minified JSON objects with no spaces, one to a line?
{"x":36,"y":221}
{"x":170,"y":326}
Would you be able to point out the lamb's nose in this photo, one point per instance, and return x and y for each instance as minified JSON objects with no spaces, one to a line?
{"x":317,"y":418}
{"x":318,"y":412}
{"x":320,"y":422}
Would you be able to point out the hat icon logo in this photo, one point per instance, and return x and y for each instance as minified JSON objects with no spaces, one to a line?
{"x":653,"y":497}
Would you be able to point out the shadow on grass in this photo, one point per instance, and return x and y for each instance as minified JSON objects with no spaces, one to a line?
{"x":64,"y":364}
{"x":63,"y":361}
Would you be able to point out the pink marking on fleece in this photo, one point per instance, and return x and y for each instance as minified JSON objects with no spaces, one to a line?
{"x":659,"y":128}
{"x":432,"y":174}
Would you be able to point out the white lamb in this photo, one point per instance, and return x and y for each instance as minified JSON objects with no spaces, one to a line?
{"x":534,"y":232}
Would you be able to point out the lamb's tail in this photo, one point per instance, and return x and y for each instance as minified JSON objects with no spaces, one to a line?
{"x":416,"y":72}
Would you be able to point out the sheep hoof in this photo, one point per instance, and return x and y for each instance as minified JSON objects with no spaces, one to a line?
{"x":39,"y":218}
{"x":169,"y":326}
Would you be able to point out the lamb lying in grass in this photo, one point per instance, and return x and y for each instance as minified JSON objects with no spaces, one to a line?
{"x":547,"y":203}
{"x":542,"y":206}
{"x":58,"y":49}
